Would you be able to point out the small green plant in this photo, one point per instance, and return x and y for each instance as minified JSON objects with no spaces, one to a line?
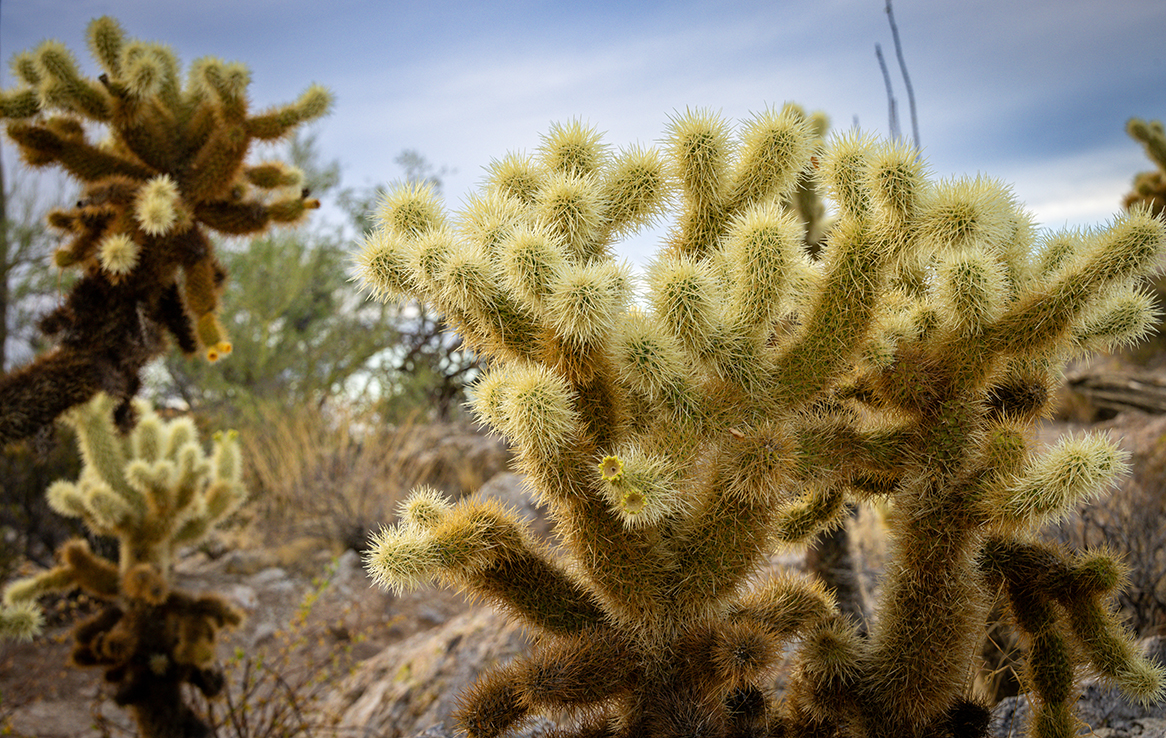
{"x":173,"y":167}
{"x":678,"y":433}
{"x":152,"y":491}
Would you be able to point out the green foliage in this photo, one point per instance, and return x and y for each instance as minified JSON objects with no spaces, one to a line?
{"x":174,"y":167}
{"x":302,"y":335}
{"x":427,"y":367}
{"x":299,"y":333}
{"x":678,"y":435}
{"x":27,"y":283}
{"x":152,"y":491}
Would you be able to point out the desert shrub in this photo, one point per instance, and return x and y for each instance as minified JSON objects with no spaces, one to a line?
{"x":275,"y":690}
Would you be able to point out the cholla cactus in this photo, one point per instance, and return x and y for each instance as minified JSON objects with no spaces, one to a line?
{"x":172,"y":166}
{"x":678,"y":434}
{"x":1149,"y":187}
{"x":153,"y":491}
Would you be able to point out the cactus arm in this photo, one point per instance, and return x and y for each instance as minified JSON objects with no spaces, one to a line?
{"x":484,"y":550}
{"x":62,"y":86}
{"x":39,"y":392}
{"x":535,"y":589}
{"x":785,"y":605}
{"x":700,"y":147}
{"x":19,"y":104}
{"x":213,"y":170}
{"x":576,"y":672}
{"x":718,"y":547}
{"x":1038,"y":318}
{"x":1152,"y":137}
{"x":1035,"y":577}
{"x":838,"y":322}
{"x":40,"y":145}
{"x":314,"y":103}
{"x":492,"y":705}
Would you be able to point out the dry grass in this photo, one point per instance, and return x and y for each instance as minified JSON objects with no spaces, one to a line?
{"x":328,"y":474}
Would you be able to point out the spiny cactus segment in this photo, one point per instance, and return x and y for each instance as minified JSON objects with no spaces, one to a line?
{"x":681,"y":427}
{"x":171,"y":167}
{"x":153,"y":491}
{"x":1149,"y":189}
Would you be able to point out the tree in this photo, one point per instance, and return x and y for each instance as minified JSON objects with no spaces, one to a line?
{"x":428,"y":366}
{"x":27,"y":283}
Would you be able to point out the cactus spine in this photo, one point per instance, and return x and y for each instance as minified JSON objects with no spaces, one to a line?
{"x":172,"y":168}
{"x":153,"y":491}
{"x":678,"y":436}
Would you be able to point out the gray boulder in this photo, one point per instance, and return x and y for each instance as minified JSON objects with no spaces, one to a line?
{"x":412,"y":686}
{"x":1103,"y":711}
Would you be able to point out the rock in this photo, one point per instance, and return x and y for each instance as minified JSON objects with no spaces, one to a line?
{"x":62,"y":719}
{"x":535,"y":728}
{"x":1102,"y":710}
{"x":247,"y":562}
{"x":512,"y":491}
{"x":413,"y":685}
{"x":241,"y":596}
{"x":350,"y":572}
{"x":459,"y":461}
{"x":271,"y":576}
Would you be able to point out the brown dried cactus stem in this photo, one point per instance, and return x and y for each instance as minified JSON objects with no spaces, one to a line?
{"x":149,"y":646}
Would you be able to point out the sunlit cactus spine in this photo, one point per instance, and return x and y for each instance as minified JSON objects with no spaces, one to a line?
{"x":171,"y":168}
{"x":153,"y":491}
{"x":681,"y":426}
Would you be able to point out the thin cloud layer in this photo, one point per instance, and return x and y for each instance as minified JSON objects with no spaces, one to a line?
{"x":1034,"y":94}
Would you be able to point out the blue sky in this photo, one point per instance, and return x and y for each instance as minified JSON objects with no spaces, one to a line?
{"x":1035,"y":94}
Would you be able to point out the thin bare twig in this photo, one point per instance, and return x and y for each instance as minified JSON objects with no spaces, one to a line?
{"x":892,"y":104}
{"x":906,"y":77}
